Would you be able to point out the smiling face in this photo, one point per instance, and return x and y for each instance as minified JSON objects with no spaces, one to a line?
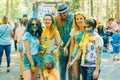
{"x":79,"y":19}
{"x":47,"y":21}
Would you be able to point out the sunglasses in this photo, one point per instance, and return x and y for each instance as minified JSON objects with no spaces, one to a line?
{"x":87,"y":26}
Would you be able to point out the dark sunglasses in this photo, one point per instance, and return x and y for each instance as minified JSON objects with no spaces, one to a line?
{"x":86,"y":26}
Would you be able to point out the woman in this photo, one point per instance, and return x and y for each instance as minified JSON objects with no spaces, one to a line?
{"x":31,"y":46}
{"x":19,"y":37}
{"x":76,"y":35}
{"x":50,"y":37}
{"x":5,"y":33}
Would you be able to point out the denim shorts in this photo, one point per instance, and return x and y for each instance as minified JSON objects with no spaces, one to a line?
{"x":87,"y":73}
{"x":116,"y":48}
{"x":20,"y":46}
{"x":38,"y":61}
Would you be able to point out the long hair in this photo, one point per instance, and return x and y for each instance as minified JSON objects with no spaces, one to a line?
{"x":75,"y":27}
{"x":53,"y":27}
{"x":30,"y":24}
{"x":5,"y":20}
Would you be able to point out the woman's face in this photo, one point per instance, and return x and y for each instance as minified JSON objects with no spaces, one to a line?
{"x":79,"y":20}
{"x":34,"y":26}
{"x":47,"y":21}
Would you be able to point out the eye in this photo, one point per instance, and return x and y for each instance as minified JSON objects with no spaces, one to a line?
{"x":81,"y":18}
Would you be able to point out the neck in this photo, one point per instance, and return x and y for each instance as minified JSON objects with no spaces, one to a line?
{"x":47,"y":27}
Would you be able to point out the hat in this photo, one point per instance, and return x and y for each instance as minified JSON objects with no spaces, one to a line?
{"x":62,"y":7}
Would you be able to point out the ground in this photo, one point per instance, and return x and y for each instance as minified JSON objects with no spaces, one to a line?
{"x":110,"y":70}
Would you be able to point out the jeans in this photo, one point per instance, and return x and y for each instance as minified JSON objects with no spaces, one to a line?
{"x":87,"y":73}
{"x":63,"y":60}
{"x":7,"y":49}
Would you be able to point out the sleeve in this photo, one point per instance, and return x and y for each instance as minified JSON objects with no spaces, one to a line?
{"x":58,"y":38}
{"x":26,"y":36}
{"x":72,"y":32}
{"x":98,"y":41}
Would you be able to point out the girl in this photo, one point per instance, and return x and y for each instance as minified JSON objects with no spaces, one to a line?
{"x":31,"y":46}
{"x":76,"y":35}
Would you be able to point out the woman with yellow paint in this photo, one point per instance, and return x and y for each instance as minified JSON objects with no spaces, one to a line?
{"x":50,"y":38}
{"x":76,"y":36}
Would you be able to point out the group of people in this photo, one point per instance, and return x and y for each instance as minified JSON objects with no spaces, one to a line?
{"x":65,"y":48}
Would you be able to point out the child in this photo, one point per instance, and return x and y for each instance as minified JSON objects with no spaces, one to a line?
{"x":49,"y":68}
{"x":116,"y":45}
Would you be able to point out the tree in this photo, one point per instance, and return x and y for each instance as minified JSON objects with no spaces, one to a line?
{"x":7,"y":7}
{"x":91,"y":7}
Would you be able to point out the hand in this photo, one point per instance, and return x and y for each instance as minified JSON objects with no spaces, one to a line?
{"x":55,"y":52}
{"x":65,"y":51}
{"x":95,"y":74}
{"x":60,"y":45}
{"x":33,"y":69}
{"x":69,"y":65}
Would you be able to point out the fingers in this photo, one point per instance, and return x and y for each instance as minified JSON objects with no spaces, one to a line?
{"x":68,"y":65}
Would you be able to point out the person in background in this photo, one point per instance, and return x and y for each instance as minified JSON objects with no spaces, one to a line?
{"x":13,"y":36}
{"x":116,"y":45}
{"x":31,"y":58}
{"x":64,"y":25}
{"x":5,"y":34}
{"x":19,"y":37}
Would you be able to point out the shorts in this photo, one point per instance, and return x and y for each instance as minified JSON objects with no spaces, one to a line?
{"x":38,"y":61}
{"x":116,"y":48}
{"x":20,"y":46}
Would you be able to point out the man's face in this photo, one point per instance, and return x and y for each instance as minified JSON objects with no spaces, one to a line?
{"x":64,"y":15}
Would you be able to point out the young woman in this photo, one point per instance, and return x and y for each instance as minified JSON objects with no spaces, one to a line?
{"x":31,"y":46}
{"x":50,"y":37}
{"x":5,"y":33}
{"x":19,"y":38}
{"x":76,"y":35}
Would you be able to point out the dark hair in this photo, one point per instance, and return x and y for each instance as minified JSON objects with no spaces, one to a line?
{"x":91,"y":22}
{"x":4,"y":20}
{"x":111,"y":19}
{"x":30,"y":24}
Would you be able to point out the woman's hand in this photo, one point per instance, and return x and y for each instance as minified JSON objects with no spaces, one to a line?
{"x":33,"y":68}
{"x":69,"y":65}
{"x":60,"y":45}
{"x":65,"y":51}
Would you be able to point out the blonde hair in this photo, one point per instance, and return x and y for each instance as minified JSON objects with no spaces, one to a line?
{"x":75,"y":27}
{"x":4,"y":20}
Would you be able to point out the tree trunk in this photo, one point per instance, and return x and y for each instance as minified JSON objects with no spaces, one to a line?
{"x":7,"y":2}
{"x":118,"y":9}
{"x":11,"y":9}
{"x":97,"y":9}
{"x":83,"y":8}
{"x":91,"y":5}
{"x":107,"y":9}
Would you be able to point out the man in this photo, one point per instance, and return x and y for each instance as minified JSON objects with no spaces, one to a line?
{"x":64,"y":24}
